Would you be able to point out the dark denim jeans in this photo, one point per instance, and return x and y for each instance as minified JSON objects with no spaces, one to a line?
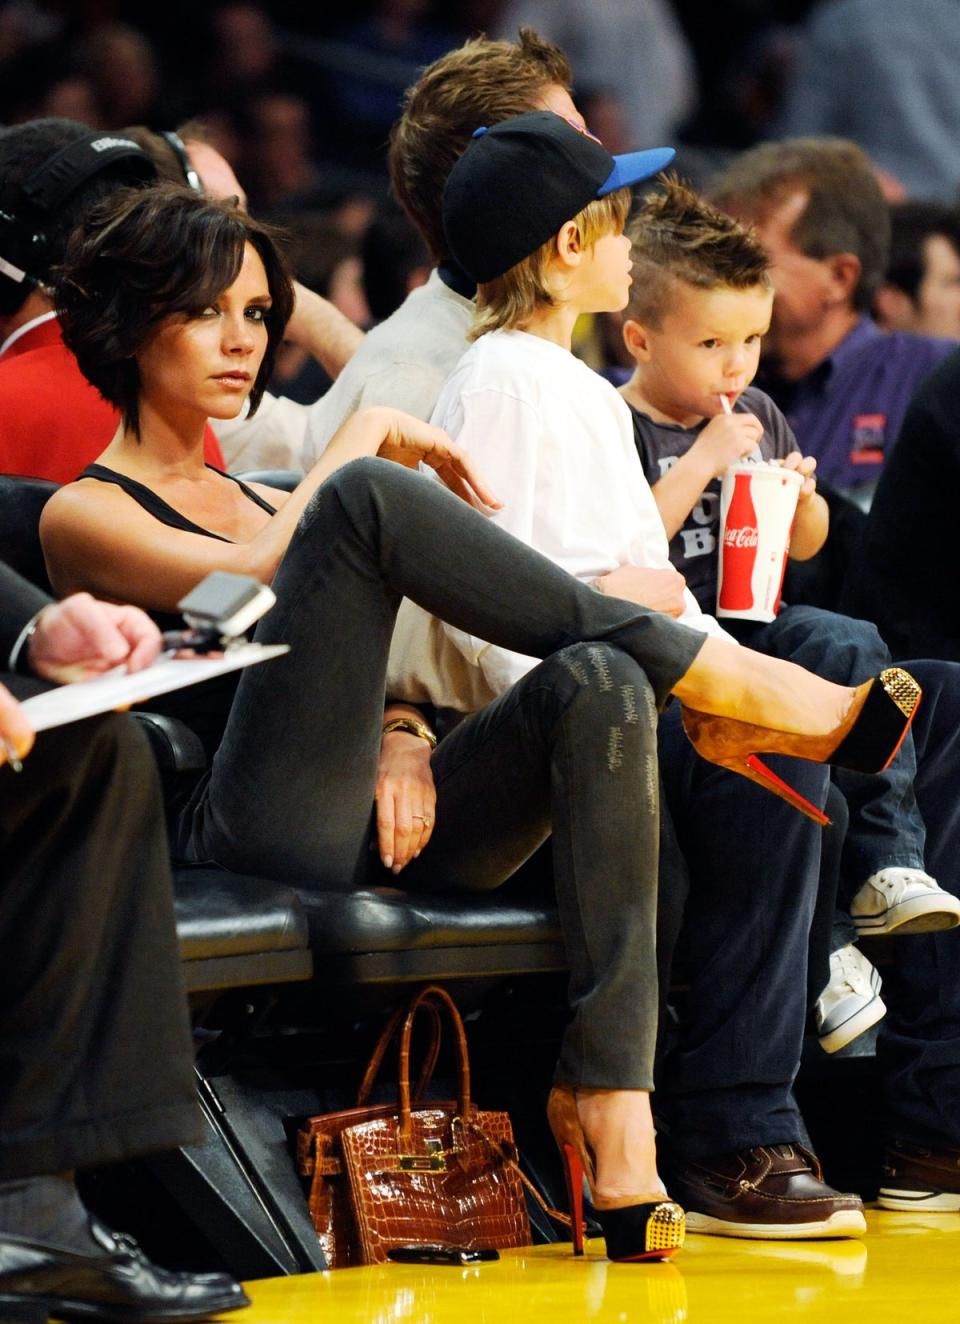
{"x":886,"y":827}
{"x":919,"y":1043}
{"x":738,"y":890}
{"x":572,"y":747}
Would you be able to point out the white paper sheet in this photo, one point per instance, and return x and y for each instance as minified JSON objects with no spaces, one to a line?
{"x":117,"y":689}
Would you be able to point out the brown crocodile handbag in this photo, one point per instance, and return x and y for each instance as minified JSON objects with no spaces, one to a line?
{"x":413,"y":1172}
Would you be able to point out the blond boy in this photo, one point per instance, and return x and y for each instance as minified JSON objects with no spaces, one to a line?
{"x":548,"y":431}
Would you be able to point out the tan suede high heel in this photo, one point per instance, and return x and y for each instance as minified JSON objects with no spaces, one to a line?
{"x":867,"y":740}
{"x":635,"y":1227}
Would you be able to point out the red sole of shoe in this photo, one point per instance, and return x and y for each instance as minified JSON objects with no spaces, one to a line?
{"x":764,"y":776}
{"x":573,"y":1172}
{"x":647,"y":1255}
{"x":906,"y":730}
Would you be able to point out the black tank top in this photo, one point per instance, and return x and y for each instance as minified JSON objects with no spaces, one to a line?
{"x":160,"y":509}
{"x":204,"y":708}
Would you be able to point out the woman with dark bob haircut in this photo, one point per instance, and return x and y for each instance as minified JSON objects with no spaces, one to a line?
{"x":174,"y":306}
{"x":141,"y":286}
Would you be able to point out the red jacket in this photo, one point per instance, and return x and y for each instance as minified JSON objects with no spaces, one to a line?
{"x":53,"y":423}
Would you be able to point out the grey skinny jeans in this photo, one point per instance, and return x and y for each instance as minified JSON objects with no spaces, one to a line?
{"x":571,"y":749}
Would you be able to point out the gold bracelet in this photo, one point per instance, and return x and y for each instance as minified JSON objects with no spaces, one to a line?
{"x":414,"y":727}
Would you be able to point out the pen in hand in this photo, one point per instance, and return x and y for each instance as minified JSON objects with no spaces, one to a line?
{"x":194,"y":640}
{"x":13,"y":757}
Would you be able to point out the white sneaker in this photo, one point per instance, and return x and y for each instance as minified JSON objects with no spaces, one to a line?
{"x":851,"y":1002}
{"x":903,"y":901}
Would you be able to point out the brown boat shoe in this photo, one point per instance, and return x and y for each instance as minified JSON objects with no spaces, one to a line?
{"x":772,"y":1192}
{"x":916,"y":1176}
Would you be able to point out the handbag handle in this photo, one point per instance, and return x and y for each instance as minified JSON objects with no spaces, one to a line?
{"x":383,"y":1043}
{"x":441,"y":1000}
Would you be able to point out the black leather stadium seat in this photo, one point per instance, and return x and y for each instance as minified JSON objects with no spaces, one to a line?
{"x":386,"y":935}
{"x":236,"y":931}
{"x":21,"y":504}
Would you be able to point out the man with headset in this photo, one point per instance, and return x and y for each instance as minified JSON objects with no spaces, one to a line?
{"x":52,"y":422}
{"x":96,"y":1060}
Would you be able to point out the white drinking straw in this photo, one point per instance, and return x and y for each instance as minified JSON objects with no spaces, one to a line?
{"x":756,"y":455}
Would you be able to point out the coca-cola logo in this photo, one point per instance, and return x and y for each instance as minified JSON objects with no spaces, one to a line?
{"x":745,"y":537}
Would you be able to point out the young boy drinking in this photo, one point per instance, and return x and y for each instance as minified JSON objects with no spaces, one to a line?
{"x":699,"y":307}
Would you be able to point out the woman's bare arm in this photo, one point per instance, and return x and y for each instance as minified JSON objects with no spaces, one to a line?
{"x":95,"y":538}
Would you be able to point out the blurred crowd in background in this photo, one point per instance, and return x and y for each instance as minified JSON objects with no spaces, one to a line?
{"x":300,"y":98}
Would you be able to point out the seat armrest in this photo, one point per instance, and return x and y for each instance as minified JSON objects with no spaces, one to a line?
{"x":175,"y":747}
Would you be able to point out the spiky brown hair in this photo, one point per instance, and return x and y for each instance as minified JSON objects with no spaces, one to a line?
{"x":676,"y":235}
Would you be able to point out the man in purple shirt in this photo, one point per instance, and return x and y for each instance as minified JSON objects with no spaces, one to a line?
{"x":843,"y":384}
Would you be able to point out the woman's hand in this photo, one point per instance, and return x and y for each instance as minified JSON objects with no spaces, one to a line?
{"x":410,"y":442}
{"x":406,"y":798}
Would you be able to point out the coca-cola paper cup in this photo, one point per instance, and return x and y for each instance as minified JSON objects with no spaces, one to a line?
{"x":758,"y":503}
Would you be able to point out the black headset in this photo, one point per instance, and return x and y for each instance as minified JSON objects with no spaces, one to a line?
{"x":26,"y":208}
{"x":179,"y":149}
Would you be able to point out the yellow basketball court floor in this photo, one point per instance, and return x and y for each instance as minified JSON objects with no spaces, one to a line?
{"x":907,"y":1269}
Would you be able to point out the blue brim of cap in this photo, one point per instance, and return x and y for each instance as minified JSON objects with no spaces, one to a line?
{"x":632,"y":167}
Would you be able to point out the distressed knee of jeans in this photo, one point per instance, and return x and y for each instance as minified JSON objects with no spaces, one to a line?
{"x":628,"y":696}
{"x":646,"y":767}
{"x":614,"y":686}
{"x":600,"y":664}
{"x":570,"y":660}
{"x":630,"y":691}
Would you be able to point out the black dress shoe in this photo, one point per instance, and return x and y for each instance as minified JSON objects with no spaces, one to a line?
{"x":121,"y":1285}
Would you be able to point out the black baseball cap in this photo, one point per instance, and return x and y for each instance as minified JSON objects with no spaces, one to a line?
{"x":518,"y":182}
